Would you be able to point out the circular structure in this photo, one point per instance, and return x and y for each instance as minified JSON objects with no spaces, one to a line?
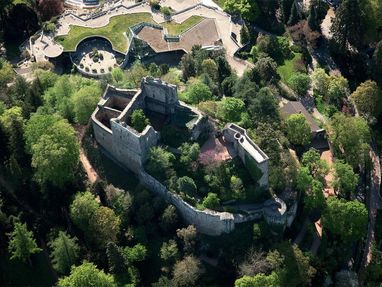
{"x":95,"y":56}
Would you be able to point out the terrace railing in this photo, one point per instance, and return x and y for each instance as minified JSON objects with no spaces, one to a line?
{"x":171,"y":38}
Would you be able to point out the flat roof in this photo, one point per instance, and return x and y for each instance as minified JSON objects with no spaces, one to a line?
{"x":295,"y":107}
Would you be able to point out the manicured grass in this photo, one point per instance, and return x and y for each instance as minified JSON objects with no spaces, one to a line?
{"x":116,"y":29}
{"x":177,"y":29}
{"x":288,"y":68}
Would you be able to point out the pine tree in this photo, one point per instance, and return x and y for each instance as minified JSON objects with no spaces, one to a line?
{"x":4,"y":152}
{"x":348,"y":25}
{"x":285,"y":7}
{"x":294,"y":15}
{"x":33,"y":98}
{"x":313,"y":21}
{"x":64,"y":252}
{"x":22,"y":243}
{"x":116,"y":260}
{"x":16,"y":142}
{"x":377,"y":64}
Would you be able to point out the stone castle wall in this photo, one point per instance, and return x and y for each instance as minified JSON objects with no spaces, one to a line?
{"x":216,"y":223}
{"x":131,"y":149}
{"x":206,"y":221}
{"x":247,"y":150}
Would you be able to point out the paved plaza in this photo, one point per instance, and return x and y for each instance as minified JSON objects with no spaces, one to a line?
{"x":104,"y":60}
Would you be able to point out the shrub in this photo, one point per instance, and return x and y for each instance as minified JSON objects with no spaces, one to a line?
{"x":154,"y":4}
{"x":166,"y":11}
{"x":139,"y":120}
{"x":211,"y":201}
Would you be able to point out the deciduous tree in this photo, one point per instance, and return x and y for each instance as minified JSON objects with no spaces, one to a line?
{"x":169,"y":251}
{"x":368,"y":100}
{"x":350,"y":137}
{"x":82,"y":210}
{"x":160,"y":162}
{"x":345,"y":180}
{"x":87,"y":275}
{"x":299,"y":83}
{"x":104,"y":226}
{"x":55,"y":156}
{"x":298,"y":129}
{"x":197,"y":92}
{"x":249,"y":10}
{"x":345,"y":219}
{"x":189,"y":236}
{"x":230,"y":109}
{"x":85,"y":100}
{"x":259,"y":280}
{"x":318,"y":168}
{"x":187,"y":271}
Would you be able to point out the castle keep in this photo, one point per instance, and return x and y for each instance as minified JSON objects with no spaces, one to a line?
{"x":160,"y":103}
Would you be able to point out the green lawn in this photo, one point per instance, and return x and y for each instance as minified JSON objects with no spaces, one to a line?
{"x":288,"y":68}
{"x":177,"y":29}
{"x":116,"y":29}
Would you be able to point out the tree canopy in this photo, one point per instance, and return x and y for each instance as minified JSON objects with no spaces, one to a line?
{"x":345,"y":219}
{"x":87,"y":275}
{"x":298,"y":129}
{"x":99,"y":223}
{"x":249,"y":10}
{"x":85,"y":100}
{"x":368,"y":100}
{"x":350,"y":137}
{"x":55,"y":153}
{"x":345,"y":180}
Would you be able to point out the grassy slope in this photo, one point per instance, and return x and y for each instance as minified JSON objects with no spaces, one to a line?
{"x":287,"y":69}
{"x":115,"y":30}
{"x":176,"y":29}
